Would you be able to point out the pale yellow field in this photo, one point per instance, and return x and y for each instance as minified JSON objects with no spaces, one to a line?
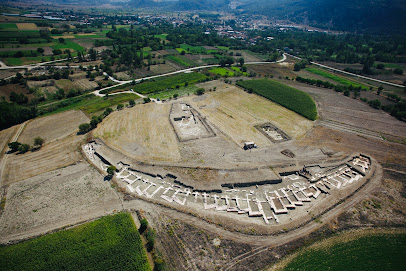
{"x":51,"y":156}
{"x":5,"y":136}
{"x":65,"y":37}
{"x":236,"y":112}
{"x":27,"y":26}
{"x":53,"y":127}
{"x":142,"y":132}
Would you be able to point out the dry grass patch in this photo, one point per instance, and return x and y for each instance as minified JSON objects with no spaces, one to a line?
{"x":5,"y":136}
{"x":27,"y":26}
{"x":236,"y":112}
{"x":53,"y":127}
{"x":51,"y":156}
{"x":141,"y":132}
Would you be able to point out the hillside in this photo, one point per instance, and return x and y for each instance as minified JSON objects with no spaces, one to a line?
{"x":351,"y":15}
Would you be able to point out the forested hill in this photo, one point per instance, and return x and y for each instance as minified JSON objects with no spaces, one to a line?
{"x":368,"y":16}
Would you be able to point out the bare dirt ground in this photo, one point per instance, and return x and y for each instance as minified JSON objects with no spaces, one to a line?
{"x":337,"y":107}
{"x":383,"y":151}
{"x":55,"y":199}
{"x":164,"y":68}
{"x":50,"y":128}
{"x":6,"y":91}
{"x":81,"y":84}
{"x":141,"y":132}
{"x":278,"y":69}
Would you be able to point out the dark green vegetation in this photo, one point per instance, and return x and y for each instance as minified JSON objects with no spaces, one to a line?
{"x":88,"y":103}
{"x":375,"y":252}
{"x":284,"y":95}
{"x":369,"y":16}
{"x":110,"y":243}
{"x":169,"y":82}
{"x":333,"y":77}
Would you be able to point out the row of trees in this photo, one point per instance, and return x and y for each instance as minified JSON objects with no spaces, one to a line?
{"x":23,"y":148}
{"x":150,"y":235}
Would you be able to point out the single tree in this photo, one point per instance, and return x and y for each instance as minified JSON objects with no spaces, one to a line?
{"x":111,"y":169}
{"x":84,"y":128}
{"x":131,"y":103}
{"x":200,"y":91}
{"x":120,"y":106}
{"x":23,"y":148}
{"x":40,"y":50}
{"x":241,"y":61}
{"x":14,"y":146}
{"x":38,"y":141}
{"x":61,"y":40}
{"x":147,"y":100}
{"x":144,"y":225}
{"x":175,"y":96}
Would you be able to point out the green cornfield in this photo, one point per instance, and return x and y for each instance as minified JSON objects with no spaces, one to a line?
{"x":373,"y":252}
{"x":291,"y":98}
{"x":110,"y":243}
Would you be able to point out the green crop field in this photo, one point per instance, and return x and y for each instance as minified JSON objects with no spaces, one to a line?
{"x":163,"y":83}
{"x":166,"y":94}
{"x":222,"y":71}
{"x":110,"y":243}
{"x":8,"y":27}
{"x":224,"y":48}
{"x":88,"y":103}
{"x":211,"y":61}
{"x":291,"y":98}
{"x":180,"y":60}
{"x":161,"y":36}
{"x":238,"y":70}
{"x":335,"y":78}
{"x":68,"y":45}
{"x":373,"y":252}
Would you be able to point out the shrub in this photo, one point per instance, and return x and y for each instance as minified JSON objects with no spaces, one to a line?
{"x":23,"y":148}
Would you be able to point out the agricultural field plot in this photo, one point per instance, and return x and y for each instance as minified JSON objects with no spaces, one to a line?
{"x":56,"y":154}
{"x":236,"y":112}
{"x":55,"y":199}
{"x":222,"y":71}
{"x":360,"y":250}
{"x":68,"y":45}
{"x":181,"y":60}
{"x":335,"y":78}
{"x":27,"y":26}
{"x":50,"y":128}
{"x":168,"y":82}
{"x":142,"y":132}
{"x":163,"y":68}
{"x":7,"y":89}
{"x":81,"y":84}
{"x":90,"y":103}
{"x":102,"y":244}
{"x":349,"y":111}
{"x":291,"y":98}
{"x":8,"y":27}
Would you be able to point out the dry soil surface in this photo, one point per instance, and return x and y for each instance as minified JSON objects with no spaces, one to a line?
{"x":55,"y":199}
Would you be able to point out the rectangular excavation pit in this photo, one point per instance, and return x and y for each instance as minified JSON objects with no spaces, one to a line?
{"x":272,"y":132}
{"x":188,"y":123}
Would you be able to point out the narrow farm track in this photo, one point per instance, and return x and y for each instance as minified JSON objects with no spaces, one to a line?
{"x":233,"y":262}
{"x":349,"y":128}
{"x":14,"y":138}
